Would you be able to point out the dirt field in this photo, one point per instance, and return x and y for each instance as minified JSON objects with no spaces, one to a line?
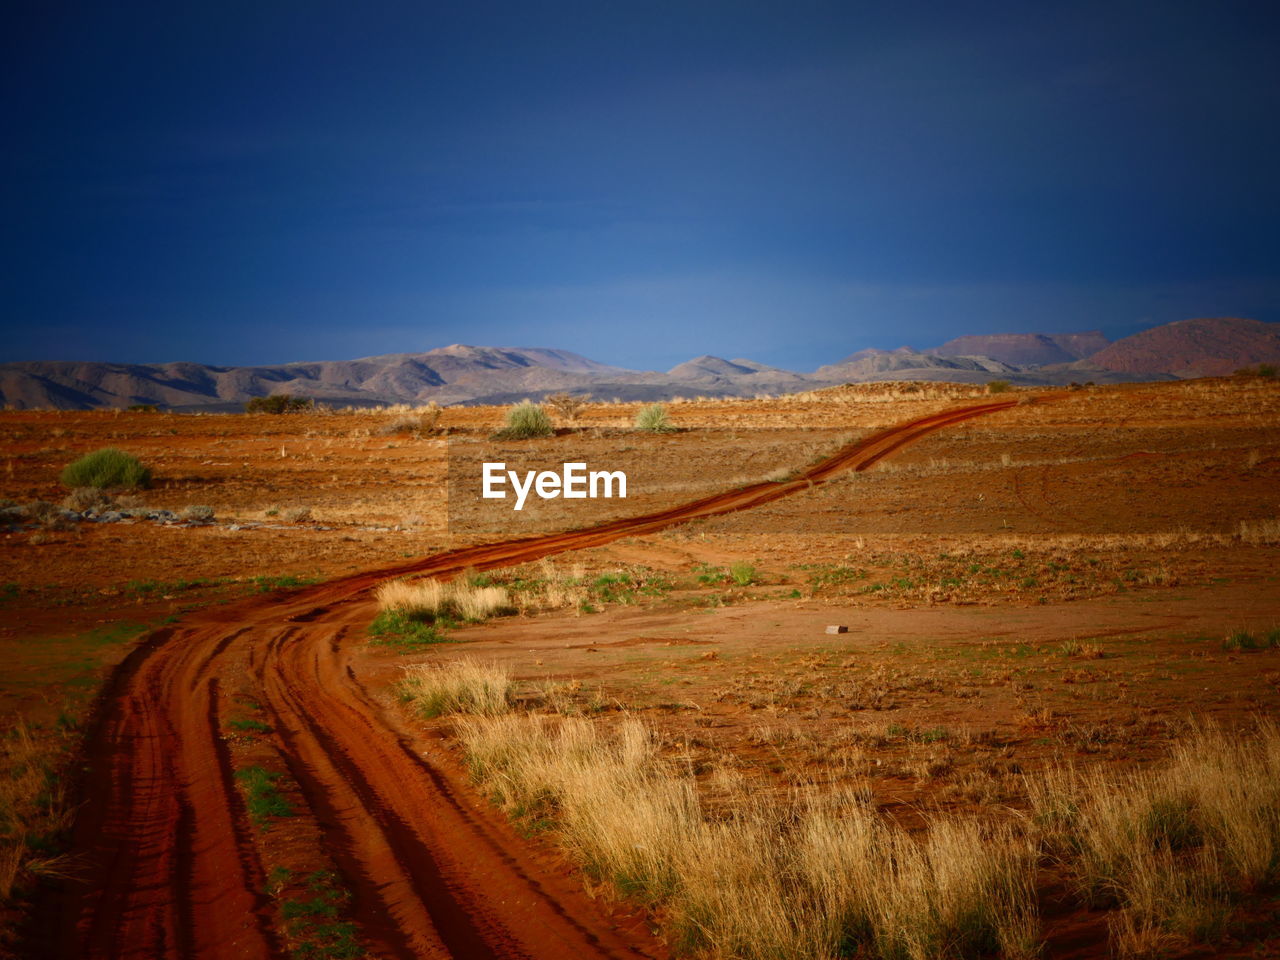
{"x":1024,"y":579}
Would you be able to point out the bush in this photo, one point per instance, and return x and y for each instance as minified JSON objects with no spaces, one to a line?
{"x":524,"y":421}
{"x":567,"y":405}
{"x":143,"y":408}
{"x":999,"y":386}
{"x":653,"y":418}
{"x":198,"y":512}
{"x":106,"y":469}
{"x":278,"y":403}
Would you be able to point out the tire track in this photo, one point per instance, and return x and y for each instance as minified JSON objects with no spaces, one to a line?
{"x":173,"y":872}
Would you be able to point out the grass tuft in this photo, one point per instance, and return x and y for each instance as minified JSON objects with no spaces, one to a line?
{"x":106,"y":469}
{"x":394,"y":627}
{"x":460,"y":686}
{"x":525,"y":421}
{"x":1260,"y":531}
{"x":653,"y":419}
{"x":262,"y":796}
{"x":429,"y":601}
{"x":1243,"y":641}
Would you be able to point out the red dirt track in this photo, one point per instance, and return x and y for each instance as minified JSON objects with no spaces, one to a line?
{"x":172,"y":869}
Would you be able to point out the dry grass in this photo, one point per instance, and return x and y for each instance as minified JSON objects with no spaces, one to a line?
{"x":567,"y":406}
{"x":461,"y":686}
{"x":414,"y":421}
{"x":1173,"y":848}
{"x":888,"y":391}
{"x":33,"y":806}
{"x":734,"y":871}
{"x":562,"y":588}
{"x":431,"y":600}
{"x":810,"y":878}
{"x":1260,"y":531}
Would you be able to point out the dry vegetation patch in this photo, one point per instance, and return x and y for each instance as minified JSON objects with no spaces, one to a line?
{"x":1174,"y":852}
{"x":1175,"y":849}
{"x":818,"y":876}
{"x":431,"y":600}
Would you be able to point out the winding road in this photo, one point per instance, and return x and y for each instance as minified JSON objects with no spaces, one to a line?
{"x":172,"y":866}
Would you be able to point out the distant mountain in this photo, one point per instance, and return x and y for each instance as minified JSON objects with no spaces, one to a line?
{"x":470,"y":374}
{"x":1025,"y":349}
{"x":738,"y":376}
{"x":1210,"y":347}
{"x":462,"y":357}
{"x":907,"y":364}
{"x":708,"y":366}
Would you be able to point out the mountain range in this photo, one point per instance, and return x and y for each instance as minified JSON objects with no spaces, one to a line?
{"x":469,"y":374}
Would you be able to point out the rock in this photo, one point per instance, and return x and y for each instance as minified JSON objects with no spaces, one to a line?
{"x":840,"y":628}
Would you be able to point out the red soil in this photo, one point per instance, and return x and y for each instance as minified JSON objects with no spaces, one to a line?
{"x":172,"y":868}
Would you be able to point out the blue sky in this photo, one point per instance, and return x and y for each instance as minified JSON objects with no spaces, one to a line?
{"x":257,"y":183}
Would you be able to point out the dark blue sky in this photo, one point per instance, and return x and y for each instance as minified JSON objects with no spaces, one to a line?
{"x":643,"y":182}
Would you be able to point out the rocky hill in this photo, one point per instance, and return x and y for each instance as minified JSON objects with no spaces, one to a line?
{"x":1209,"y":347}
{"x":470,"y":374}
{"x":1025,"y":349}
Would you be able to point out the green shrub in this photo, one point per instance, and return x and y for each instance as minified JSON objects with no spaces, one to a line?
{"x":653,"y":418}
{"x":524,"y":421}
{"x":743,"y":573}
{"x":999,"y":386}
{"x":106,"y":469}
{"x":278,"y":403}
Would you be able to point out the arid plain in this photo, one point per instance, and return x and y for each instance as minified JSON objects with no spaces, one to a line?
{"x":1061,"y":584}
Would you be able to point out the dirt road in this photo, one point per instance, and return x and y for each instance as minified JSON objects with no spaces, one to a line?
{"x":172,"y":866}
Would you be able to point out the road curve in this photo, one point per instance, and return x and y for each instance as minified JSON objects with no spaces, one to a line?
{"x":172,"y":869}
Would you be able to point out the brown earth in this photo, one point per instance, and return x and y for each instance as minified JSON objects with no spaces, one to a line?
{"x":962,"y":564}
{"x":173,"y":871}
